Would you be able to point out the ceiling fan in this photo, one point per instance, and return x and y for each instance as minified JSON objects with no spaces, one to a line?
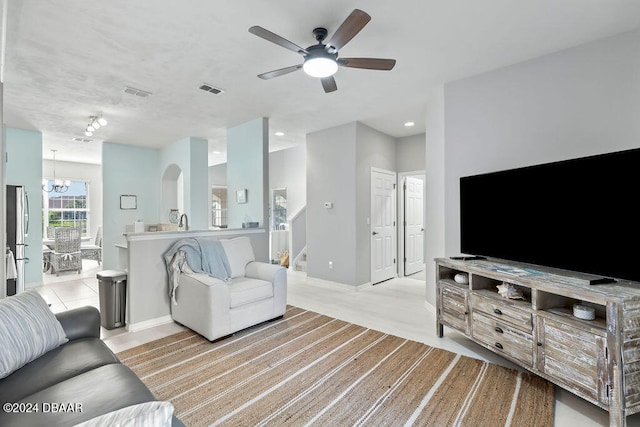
{"x":321,"y":60}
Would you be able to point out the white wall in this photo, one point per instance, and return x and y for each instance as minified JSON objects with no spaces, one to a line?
{"x":287,"y":169}
{"x":577,"y":102}
{"x":410,"y":153}
{"x":85,"y":172}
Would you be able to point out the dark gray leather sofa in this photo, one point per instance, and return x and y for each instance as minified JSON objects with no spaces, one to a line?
{"x":83,"y":371}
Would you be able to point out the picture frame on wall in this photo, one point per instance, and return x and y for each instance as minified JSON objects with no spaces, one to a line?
{"x":241,"y":196}
{"x":128,"y":201}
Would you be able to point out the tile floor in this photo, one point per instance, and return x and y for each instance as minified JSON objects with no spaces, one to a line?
{"x":396,"y":306}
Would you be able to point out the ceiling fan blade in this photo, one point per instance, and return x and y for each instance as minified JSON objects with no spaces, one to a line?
{"x":368,"y":63}
{"x":329,"y":84}
{"x":349,"y":28}
{"x":274,"y":38}
{"x":280,"y":72}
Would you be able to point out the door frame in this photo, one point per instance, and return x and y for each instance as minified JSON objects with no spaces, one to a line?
{"x":400,"y":204}
{"x":394,"y":210}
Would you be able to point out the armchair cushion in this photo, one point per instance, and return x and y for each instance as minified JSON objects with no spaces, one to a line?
{"x":28,"y":329}
{"x":239,"y":253}
{"x":245,"y":291}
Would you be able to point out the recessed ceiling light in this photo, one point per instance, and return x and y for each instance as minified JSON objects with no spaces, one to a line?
{"x":409,"y":124}
{"x":279,"y":133}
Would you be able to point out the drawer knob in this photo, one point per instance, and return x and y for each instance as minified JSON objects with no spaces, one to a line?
{"x":497,"y":311}
{"x":539,"y":344}
{"x":499,"y":330}
{"x":499,"y":345}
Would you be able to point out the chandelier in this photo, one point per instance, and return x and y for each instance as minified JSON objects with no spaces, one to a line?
{"x":58,"y":185}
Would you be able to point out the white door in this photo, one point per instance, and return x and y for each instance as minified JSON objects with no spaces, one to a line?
{"x":383,"y":225}
{"x":414,"y":225}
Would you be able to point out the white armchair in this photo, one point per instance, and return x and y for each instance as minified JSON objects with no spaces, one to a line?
{"x":257,"y":292}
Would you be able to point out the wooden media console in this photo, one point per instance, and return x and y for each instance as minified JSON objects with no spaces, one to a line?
{"x":598,"y":360}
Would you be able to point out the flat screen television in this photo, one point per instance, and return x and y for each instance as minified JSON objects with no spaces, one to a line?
{"x":577,"y":215}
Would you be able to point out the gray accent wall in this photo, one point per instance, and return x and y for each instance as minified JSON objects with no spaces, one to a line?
{"x":339,"y":162}
{"x":331,"y":177}
{"x":374,"y":149}
{"x":578,"y":102}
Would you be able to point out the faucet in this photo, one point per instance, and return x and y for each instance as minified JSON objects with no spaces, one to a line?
{"x":186,"y":222}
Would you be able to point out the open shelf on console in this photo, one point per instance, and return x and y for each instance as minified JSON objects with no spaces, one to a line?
{"x":489,"y":286}
{"x":447,"y":275}
{"x":563,"y":306}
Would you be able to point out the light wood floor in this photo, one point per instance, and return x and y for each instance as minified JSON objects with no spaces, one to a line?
{"x":396,"y":307}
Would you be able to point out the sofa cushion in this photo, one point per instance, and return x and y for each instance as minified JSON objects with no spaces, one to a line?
{"x":156,"y":414}
{"x":28,"y":329}
{"x":239,"y":253}
{"x":62,"y":363}
{"x":245,"y":291}
{"x":88,"y":395}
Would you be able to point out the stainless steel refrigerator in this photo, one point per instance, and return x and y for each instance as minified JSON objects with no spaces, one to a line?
{"x":17,"y":228}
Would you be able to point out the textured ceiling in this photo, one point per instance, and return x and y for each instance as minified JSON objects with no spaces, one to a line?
{"x":67,"y":60}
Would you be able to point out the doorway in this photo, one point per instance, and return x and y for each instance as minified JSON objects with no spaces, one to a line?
{"x":383,"y":225}
{"x":411,"y":234}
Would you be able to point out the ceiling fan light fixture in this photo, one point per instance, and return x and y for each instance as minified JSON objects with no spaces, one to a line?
{"x":320,"y":66}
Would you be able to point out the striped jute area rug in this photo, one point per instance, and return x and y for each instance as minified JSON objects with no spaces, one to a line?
{"x":312,"y":369}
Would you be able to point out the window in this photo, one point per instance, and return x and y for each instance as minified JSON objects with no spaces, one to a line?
{"x":68,"y":209}
{"x":219,"y":206}
{"x":279,"y":208}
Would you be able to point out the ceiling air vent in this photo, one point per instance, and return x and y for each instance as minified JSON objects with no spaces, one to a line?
{"x":208,"y":88}
{"x":137,"y":92}
{"x":76,"y":139}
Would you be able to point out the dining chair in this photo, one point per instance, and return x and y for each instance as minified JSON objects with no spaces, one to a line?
{"x":66,"y":253}
{"x":93,"y":251}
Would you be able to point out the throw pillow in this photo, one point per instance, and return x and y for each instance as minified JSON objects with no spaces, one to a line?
{"x":157,"y":414}
{"x":28,"y":329}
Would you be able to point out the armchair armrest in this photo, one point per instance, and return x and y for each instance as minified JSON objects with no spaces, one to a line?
{"x":270,"y":272}
{"x":83,"y":322}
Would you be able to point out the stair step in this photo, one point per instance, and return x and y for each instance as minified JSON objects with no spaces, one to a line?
{"x":301,"y":265}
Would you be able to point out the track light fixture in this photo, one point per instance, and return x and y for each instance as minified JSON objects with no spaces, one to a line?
{"x":95,"y":123}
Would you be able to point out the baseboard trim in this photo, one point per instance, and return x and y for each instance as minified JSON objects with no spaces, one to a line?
{"x":139,"y":326}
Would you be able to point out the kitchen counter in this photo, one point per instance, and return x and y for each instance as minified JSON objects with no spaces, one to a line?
{"x":148,"y":302}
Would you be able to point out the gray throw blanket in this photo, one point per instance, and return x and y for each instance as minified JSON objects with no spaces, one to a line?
{"x":201,"y":254}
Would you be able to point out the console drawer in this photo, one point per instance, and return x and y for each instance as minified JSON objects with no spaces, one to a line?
{"x":502,"y":310}
{"x":503,"y":337}
{"x":454,"y":308}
